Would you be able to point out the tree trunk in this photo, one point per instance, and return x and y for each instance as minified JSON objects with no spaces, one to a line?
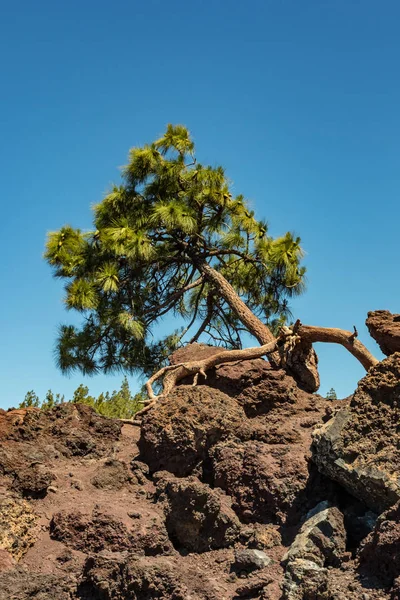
{"x":256,"y":327}
{"x":303,"y":362}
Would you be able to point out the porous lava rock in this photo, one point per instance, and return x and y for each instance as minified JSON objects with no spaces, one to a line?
{"x":380,"y":551}
{"x":384,"y":327}
{"x":21,"y":584}
{"x":101,"y":531}
{"x":18,"y":525}
{"x":198,"y":518}
{"x":112,"y":475}
{"x":264,"y":481}
{"x":250,"y":559}
{"x":32,"y":442}
{"x":33,"y":480}
{"x":177,"y":434}
{"x":112,"y":576}
{"x":75,"y":429}
{"x":254,"y":444}
{"x":255,"y":384}
{"x":360,"y":446}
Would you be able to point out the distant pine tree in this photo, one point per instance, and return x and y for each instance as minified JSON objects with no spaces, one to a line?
{"x":31,"y":399}
{"x":331,"y":395}
{"x":121,"y":404}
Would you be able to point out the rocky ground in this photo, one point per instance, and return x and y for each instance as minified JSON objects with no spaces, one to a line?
{"x":246,"y":487}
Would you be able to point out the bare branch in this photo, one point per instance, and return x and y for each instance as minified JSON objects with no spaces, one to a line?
{"x":333,"y":335}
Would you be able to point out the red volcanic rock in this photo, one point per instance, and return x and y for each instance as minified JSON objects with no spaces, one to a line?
{"x":380,"y":551}
{"x":360,"y":446}
{"x":198,"y":518}
{"x":177,"y":435}
{"x":384,"y":327}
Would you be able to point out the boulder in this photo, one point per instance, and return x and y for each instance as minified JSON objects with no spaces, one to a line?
{"x":110,"y":576}
{"x":255,"y":384}
{"x":100,"y":531}
{"x":111,"y":475}
{"x":33,"y":480}
{"x":198,"y":518}
{"x":249,"y":559}
{"x":360,"y":446}
{"x":384,"y":327}
{"x":177,"y":435}
{"x":254,"y":443}
{"x":319,"y":544}
{"x":265,"y":481}
{"x":380,"y":551}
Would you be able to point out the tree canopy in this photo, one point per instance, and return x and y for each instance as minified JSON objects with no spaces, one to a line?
{"x":170,"y":239}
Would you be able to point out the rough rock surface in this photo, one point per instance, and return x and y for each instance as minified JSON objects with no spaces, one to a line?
{"x":380,"y":551}
{"x":20,"y":584}
{"x":197,"y":517}
{"x":108,"y":577}
{"x":176,"y":437}
{"x":320,"y":543}
{"x":360,"y":446}
{"x":18,"y":525}
{"x":87,"y":516}
{"x":112,"y":475}
{"x":258,"y":454}
{"x":101,"y":531}
{"x":266,"y":482}
{"x":384,"y":327}
{"x":255,"y":384}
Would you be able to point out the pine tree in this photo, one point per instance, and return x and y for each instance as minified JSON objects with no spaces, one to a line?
{"x":331,"y":395}
{"x":31,"y":399}
{"x":173,"y":239}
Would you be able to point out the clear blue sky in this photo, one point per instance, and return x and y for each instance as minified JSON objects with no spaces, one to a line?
{"x":298,"y":100}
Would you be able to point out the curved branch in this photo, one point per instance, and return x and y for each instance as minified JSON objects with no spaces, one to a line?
{"x":286,"y":342}
{"x":312,"y":334}
{"x":174,"y":373}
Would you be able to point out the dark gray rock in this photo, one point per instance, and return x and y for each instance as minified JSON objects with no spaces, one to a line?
{"x":319,"y":544}
{"x":250,"y":560}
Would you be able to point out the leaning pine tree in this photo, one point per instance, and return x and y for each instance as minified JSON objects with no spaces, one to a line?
{"x":172,"y":239}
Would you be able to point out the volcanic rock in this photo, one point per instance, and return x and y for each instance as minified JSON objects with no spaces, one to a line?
{"x":380,"y":551}
{"x":112,"y":576}
{"x":250,"y":559}
{"x":265,"y":481}
{"x":20,"y":584}
{"x":384,"y":327}
{"x":177,"y":435}
{"x":319,"y":544}
{"x":198,"y":518}
{"x":360,"y":446}
{"x":111,"y":475}
{"x":18,"y":525}
{"x":101,"y":531}
{"x":255,"y":384}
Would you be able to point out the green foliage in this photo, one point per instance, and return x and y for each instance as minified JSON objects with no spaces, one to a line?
{"x":31,"y":399}
{"x":143,"y":257}
{"x":331,"y":395}
{"x":120,"y":404}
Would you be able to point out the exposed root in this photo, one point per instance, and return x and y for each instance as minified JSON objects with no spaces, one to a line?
{"x":287,"y":344}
